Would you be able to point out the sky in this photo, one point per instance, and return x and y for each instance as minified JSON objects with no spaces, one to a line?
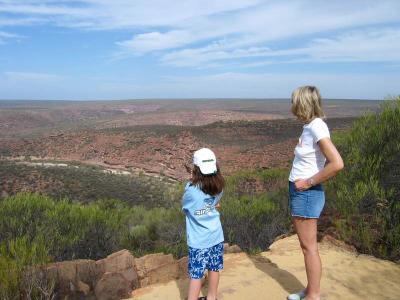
{"x":127,"y":49}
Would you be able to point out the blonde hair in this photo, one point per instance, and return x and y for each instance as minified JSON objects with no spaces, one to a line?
{"x":307,"y":103}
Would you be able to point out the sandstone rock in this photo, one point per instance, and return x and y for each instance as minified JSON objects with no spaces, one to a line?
{"x":83,"y":288}
{"x":152,"y":261}
{"x":88,"y":271}
{"x":73,"y":278}
{"x":51,"y":272}
{"x":232,"y":249}
{"x":157,"y":268}
{"x":78,"y":278}
{"x":66,"y":274}
{"x":112,"y":286}
{"x":122,"y":262}
{"x":183,"y":266}
{"x":327,"y":239}
{"x":117,"y":261}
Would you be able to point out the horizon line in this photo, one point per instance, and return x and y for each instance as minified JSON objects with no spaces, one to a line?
{"x":187,"y":99}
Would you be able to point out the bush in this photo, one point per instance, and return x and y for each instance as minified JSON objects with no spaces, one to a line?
{"x":18,"y":277}
{"x":156,"y":230}
{"x":253,"y":222}
{"x":92,"y":231}
{"x":367,"y":192}
{"x":254,"y":208}
{"x":71,"y":230}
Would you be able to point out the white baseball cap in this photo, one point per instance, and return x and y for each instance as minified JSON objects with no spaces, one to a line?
{"x":205,"y":159}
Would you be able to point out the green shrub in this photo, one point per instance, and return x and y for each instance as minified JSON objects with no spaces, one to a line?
{"x":253,"y":222}
{"x":93,"y":231}
{"x":367,"y":192}
{"x":72,"y":230}
{"x":254,"y":208}
{"x":18,"y":279}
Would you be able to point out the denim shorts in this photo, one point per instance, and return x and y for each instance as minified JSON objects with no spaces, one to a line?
{"x":308,"y":203}
{"x":211,"y":259}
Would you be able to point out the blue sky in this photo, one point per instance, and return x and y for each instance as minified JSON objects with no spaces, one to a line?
{"x":121,"y":49}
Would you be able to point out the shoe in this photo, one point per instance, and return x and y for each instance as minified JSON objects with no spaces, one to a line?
{"x":297,"y":296}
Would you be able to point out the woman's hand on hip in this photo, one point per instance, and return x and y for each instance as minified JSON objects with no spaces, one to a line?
{"x":302,"y":184}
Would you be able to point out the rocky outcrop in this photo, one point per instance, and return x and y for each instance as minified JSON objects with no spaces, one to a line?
{"x":112,"y":285}
{"x":231,"y":248}
{"x":108,"y":278}
{"x":121,"y":262}
{"x":117,"y":275}
{"x":157,"y":268}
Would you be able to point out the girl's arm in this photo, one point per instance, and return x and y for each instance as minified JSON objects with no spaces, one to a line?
{"x":334,"y":165}
{"x":186,"y":198}
{"x":218,"y":199}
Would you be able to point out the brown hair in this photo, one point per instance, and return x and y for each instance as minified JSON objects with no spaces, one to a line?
{"x":212,"y":184}
{"x":307,"y":103}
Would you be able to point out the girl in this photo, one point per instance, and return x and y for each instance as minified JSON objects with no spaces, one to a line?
{"x":316,"y":160}
{"x":204,"y":231}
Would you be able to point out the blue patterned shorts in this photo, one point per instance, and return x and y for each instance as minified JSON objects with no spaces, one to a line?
{"x":211,"y":259}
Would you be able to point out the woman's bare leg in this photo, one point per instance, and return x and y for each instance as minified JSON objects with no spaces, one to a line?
{"x":307,"y":232}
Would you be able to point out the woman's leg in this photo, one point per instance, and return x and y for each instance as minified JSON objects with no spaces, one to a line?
{"x":307,"y":232}
{"x":194,"y":289}
{"x":213,"y":280}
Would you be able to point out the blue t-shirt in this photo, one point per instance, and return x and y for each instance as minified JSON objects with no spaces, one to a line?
{"x":203,"y":226}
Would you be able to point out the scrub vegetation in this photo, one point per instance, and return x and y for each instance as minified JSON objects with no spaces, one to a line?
{"x":367,"y":193}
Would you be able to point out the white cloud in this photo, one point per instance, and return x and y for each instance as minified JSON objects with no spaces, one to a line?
{"x":105,"y":14}
{"x":4,"y":36}
{"x":214,"y":41}
{"x":194,"y":32}
{"x":19,"y":21}
{"x":31,"y":76}
{"x":152,"y":41}
{"x":366,"y":45}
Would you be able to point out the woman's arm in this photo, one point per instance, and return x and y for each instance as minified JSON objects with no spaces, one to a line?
{"x":334,"y":165}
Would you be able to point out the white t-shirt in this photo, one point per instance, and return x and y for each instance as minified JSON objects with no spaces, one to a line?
{"x":308,"y":158}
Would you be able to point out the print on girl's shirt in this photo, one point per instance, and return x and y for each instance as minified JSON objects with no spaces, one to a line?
{"x":209,"y":207}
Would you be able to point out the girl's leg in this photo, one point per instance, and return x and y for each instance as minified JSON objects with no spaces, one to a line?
{"x":307,"y":232}
{"x":194,"y":289}
{"x":213,"y":280}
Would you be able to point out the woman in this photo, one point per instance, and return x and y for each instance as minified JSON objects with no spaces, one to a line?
{"x":316,"y":160}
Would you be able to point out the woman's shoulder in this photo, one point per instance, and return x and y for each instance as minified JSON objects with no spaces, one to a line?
{"x":319,"y":129}
{"x":317,"y":121}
